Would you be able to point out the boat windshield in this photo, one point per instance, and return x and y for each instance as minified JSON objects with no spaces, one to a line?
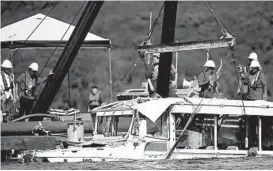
{"x":113,"y":125}
{"x":159,"y":129}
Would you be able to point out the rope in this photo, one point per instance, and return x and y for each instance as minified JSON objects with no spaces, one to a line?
{"x":62,"y":37}
{"x":154,"y":24}
{"x":122,"y":82}
{"x":36,"y":28}
{"x":223,"y":30}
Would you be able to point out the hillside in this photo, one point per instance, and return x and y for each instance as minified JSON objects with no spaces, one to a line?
{"x":126,"y":24}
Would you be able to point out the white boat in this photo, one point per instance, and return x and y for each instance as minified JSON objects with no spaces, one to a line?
{"x":153,"y":132}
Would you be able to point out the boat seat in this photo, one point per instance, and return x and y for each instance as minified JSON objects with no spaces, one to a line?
{"x":232,"y":148}
{"x":210,"y":148}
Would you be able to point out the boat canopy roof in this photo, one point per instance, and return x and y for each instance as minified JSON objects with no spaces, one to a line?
{"x":48,"y":34}
{"x":119,"y":108}
{"x":153,"y":109}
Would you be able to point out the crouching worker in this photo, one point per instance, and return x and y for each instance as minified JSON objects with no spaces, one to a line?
{"x":7,"y":91}
{"x":94,"y":101}
{"x":26,"y":85}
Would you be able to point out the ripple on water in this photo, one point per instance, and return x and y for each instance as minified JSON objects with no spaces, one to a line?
{"x":208,"y":164}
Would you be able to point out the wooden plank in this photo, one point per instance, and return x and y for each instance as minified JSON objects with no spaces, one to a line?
{"x":28,"y":142}
{"x":23,"y":128}
{"x":186,"y":46}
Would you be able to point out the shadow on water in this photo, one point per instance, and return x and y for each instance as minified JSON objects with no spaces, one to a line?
{"x":196,"y":164}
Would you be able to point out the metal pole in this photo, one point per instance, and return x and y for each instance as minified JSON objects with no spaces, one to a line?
{"x":176,"y":64}
{"x":246,"y":137}
{"x":110,"y":74}
{"x":260,"y":133}
{"x":67,"y":57}
{"x":215,"y":133}
{"x":150,"y":27}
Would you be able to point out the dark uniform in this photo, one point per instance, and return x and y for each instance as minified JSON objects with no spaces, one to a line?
{"x":208,"y":84}
{"x":27,"y":91}
{"x":153,"y":75}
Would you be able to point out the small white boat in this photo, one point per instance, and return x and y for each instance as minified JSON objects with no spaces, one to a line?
{"x":153,"y":132}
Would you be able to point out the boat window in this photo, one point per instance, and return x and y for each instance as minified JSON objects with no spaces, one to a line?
{"x":113,"y":125}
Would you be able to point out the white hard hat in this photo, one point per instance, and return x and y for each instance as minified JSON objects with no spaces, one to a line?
{"x":255,"y":64}
{"x":6,"y":64}
{"x":253,"y":56}
{"x":34,"y":66}
{"x":156,"y":55}
{"x":209,"y":63}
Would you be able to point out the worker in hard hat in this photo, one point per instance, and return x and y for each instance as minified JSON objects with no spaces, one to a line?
{"x":258,"y":83}
{"x":245,"y":72}
{"x":7,"y":90}
{"x":26,"y":85}
{"x":257,"y":91}
{"x":207,"y":81}
{"x":153,"y":76}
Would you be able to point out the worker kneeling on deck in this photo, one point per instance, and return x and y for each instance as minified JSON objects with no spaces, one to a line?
{"x":153,"y":76}
{"x":207,"y":81}
{"x":7,"y":90}
{"x":26,"y":85}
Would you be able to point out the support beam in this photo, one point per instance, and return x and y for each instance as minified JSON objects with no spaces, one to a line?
{"x":186,"y":46}
{"x":260,"y":133}
{"x":167,"y":36}
{"x":215,"y":132}
{"x":67,"y":57}
{"x":247,"y":133}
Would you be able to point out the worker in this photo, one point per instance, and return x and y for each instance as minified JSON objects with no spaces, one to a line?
{"x":257,"y":91}
{"x":94,"y":101}
{"x":7,"y":90}
{"x":244,"y":83}
{"x":207,"y":81}
{"x":26,"y":85}
{"x":153,"y":76}
{"x":258,"y":83}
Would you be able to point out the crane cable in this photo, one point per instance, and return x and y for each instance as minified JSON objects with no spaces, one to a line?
{"x":154,"y":24}
{"x":62,"y":37}
{"x":140,"y":57}
{"x":223,"y":30}
{"x":35,"y":28}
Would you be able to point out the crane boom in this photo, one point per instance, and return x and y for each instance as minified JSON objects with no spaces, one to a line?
{"x":67,"y":57}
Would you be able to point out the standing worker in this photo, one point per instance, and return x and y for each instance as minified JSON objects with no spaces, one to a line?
{"x":153,"y":75}
{"x":257,"y":91}
{"x":258,"y":83}
{"x":7,"y":90}
{"x":207,"y":81}
{"x":94,"y":101}
{"x":26,"y":85}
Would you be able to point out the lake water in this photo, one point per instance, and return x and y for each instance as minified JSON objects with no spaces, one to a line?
{"x":253,"y":163}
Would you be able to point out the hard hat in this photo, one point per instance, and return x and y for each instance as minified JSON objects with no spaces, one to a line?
{"x":156,"y":55}
{"x":6,"y":64}
{"x":255,"y":64}
{"x":34,"y":66}
{"x":253,"y":56}
{"x":209,"y":63}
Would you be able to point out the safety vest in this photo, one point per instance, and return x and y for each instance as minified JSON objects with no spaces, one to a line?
{"x":27,"y":86}
{"x":7,"y":84}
